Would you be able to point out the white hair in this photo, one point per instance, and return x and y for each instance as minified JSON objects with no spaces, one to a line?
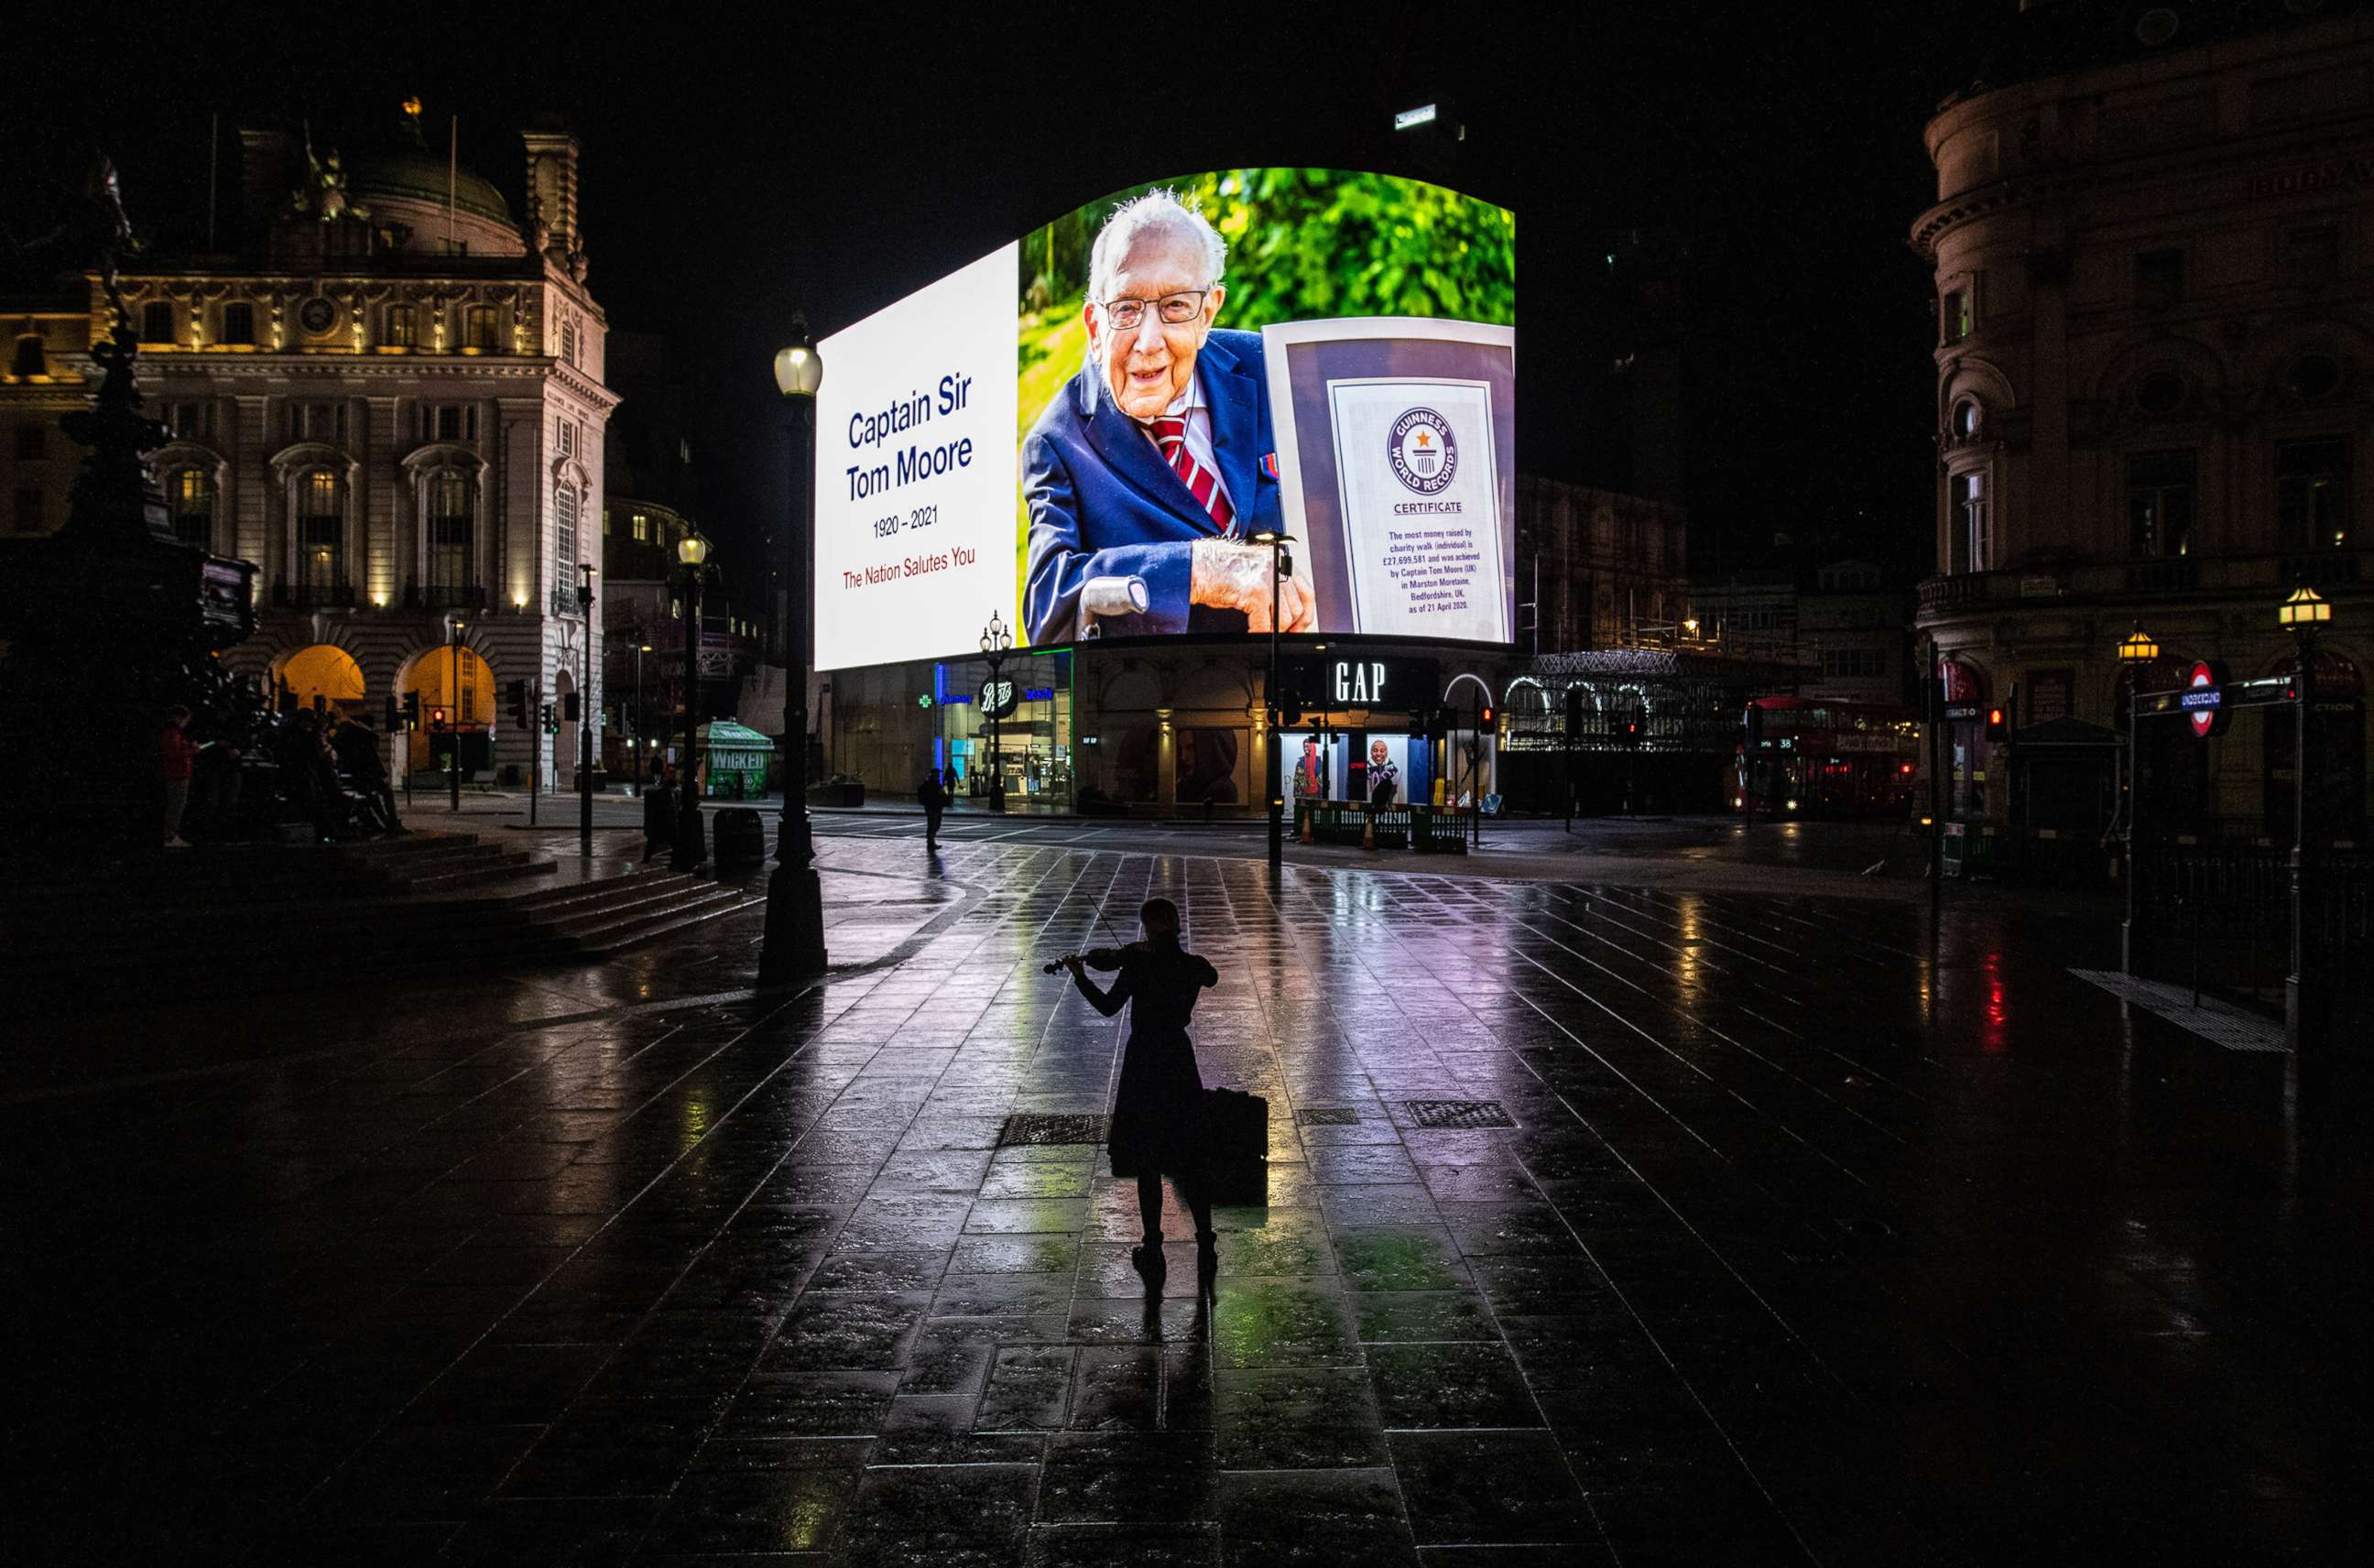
{"x":1156,"y":214}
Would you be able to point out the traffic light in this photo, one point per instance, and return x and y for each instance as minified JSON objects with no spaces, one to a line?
{"x":518,"y":704}
{"x":1996,"y":728}
{"x":412,"y":710}
{"x":393,"y":715}
{"x":549,"y":726}
{"x":1630,"y":733}
{"x":1483,"y":716}
{"x":436,"y":718}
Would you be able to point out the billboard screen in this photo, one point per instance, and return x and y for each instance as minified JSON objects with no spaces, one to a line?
{"x":1082,"y":432}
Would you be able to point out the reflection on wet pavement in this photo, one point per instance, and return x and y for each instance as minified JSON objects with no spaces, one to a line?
{"x":1605,"y":1223}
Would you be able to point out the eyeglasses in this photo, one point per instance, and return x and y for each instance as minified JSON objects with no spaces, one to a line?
{"x":1171,"y":310}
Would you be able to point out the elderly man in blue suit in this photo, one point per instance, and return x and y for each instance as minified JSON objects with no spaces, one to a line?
{"x":1150,"y":471}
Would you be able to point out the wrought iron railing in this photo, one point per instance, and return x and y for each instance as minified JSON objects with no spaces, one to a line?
{"x":313,"y":595}
{"x":2221,"y":914}
{"x":444,"y":595}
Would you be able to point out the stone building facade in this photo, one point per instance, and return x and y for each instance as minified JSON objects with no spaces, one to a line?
{"x":389,"y":395}
{"x":2153,"y":261}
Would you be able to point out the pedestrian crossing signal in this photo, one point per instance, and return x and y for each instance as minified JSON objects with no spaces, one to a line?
{"x":436,"y":718}
{"x":412,"y":710}
{"x":1996,"y":728}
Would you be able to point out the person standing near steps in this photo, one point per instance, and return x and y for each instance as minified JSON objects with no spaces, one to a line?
{"x":1157,"y":1110}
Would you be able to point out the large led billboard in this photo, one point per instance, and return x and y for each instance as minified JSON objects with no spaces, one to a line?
{"x":1083,"y":432}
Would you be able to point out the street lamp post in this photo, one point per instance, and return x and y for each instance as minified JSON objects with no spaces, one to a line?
{"x":793,"y":947}
{"x":585,"y":711}
{"x":2303,"y":615}
{"x":1280,"y":563}
{"x":996,"y":642}
{"x":636,"y":755}
{"x":454,"y":627}
{"x":2136,"y":653}
{"x":689,"y":849}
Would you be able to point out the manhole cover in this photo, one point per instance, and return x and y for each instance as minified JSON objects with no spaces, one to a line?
{"x":1327,"y":1115}
{"x":1051,"y":1129}
{"x":1458,"y":1113}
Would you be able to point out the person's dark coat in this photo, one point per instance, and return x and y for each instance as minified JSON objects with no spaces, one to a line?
{"x":659,"y":813}
{"x":1157,"y":1110}
{"x":1105,"y":507}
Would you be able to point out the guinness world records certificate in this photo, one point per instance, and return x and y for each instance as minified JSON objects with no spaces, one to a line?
{"x":1396,"y":468}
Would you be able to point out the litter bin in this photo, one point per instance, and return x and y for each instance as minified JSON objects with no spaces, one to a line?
{"x":738,"y":839}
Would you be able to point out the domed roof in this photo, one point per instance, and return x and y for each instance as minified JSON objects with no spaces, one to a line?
{"x":404,"y":167}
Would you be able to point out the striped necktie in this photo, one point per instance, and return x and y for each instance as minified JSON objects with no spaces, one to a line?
{"x":1170,"y":435}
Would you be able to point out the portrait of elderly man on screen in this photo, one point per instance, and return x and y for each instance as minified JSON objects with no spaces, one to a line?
{"x":1149,"y":472}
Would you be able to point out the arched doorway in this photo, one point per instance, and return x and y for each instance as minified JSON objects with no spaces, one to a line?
{"x":462,"y":683}
{"x":321,"y":671}
{"x":2336,"y":751}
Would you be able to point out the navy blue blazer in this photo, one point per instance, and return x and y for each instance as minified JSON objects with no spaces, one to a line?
{"x":1107,"y":510}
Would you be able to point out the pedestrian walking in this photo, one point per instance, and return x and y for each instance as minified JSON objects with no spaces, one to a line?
{"x":659,"y":815}
{"x":1157,"y":1109}
{"x":177,"y":758}
{"x":935,"y":799}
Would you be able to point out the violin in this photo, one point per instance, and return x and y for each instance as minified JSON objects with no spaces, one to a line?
{"x":1095,"y":958}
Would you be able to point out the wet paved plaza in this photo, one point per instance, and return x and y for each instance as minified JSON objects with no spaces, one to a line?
{"x":1798,"y":1244}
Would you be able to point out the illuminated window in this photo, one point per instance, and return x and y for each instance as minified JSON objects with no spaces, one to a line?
{"x":452,"y":498}
{"x":564,"y":538}
{"x":2312,"y":494}
{"x":157,"y":322}
{"x":1954,"y":315}
{"x":641,"y":525}
{"x":1972,"y":542}
{"x":239,"y":324}
{"x":189,"y":500}
{"x":395,"y":329}
{"x":321,"y":535}
{"x":484,"y":327}
{"x":1967,"y":417}
{"x":2160,"y":278}
{"x":2160,"y":491}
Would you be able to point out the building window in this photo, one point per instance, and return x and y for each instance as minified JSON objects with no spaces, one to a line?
{"x":2160,"y":278}
{"x":1966,"y":418}
{"x":320,"y":536}
{"x":239,"y":324}
{"x":568,"y":341}
{"x":1972,"y":542}
{"x":1851,"y":664}
{"x":189,"y":500}
{"x":2311,"y":257}
{"x":396,"y":326}
{"x":2161,"y":487}
{"x":30,"y":510}
{"x":564,"y":538}
{"x":640,"y":524}
{"x":564,"y":435}
{"x":157,"y":322}
{"x":485,"y":329}
{"x":1954,"y":315}
{"x":2312,"y":494}
{"x":31,"y":358}
{"x":33,"y":442}
{"x":317,"y":421}
{"x":456,"y":423}
{"x":450,"y":509}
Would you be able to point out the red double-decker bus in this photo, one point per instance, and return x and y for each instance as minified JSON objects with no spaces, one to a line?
{"x":1804,"y":756}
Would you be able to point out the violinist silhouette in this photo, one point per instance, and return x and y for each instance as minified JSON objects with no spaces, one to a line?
{"x":1157,"y":1109}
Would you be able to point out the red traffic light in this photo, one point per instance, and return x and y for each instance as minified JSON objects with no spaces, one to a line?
{"x":1996,"y":730}
{"x":437,"y":717}
{"x":1486,"y":716}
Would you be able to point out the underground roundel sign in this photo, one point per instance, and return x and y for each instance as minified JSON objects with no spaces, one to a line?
{"x":2203,"y":699}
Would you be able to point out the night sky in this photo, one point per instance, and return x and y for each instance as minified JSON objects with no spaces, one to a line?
{"x":835,"y":157}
